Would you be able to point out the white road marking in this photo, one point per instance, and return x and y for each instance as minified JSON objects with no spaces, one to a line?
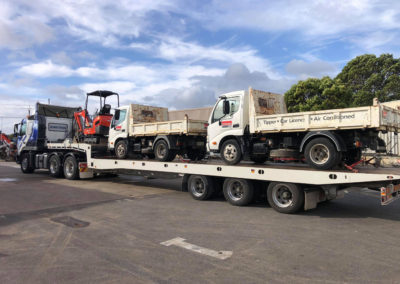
{"x":180,"y":242}
{"x":9,"y":164}
{"x":8,"y":179}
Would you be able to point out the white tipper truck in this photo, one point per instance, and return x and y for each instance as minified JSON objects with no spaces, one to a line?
{"x":146,"y":130}
{"x":256,"y":124}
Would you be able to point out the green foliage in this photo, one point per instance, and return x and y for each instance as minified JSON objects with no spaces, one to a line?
{"x":362,"y":79}
{"x":317,"y":94}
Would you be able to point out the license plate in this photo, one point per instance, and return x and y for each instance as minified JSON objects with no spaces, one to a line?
{"x":390,"y":194}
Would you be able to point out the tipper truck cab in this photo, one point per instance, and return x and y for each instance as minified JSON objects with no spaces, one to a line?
{"x":146,"y":130}
{"x":255,"y":124}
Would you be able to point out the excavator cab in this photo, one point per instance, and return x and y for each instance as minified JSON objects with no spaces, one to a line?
{"x":99,"y":123}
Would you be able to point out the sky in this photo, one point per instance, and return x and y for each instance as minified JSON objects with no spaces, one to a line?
{"x":175,"y":53}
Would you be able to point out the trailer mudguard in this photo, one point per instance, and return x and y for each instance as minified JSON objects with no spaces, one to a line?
{"x":335,"y":138}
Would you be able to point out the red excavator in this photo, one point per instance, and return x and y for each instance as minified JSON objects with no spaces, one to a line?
{"x":91,"y":128}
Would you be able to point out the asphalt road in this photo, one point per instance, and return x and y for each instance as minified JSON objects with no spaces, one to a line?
{"x":120,"y":223}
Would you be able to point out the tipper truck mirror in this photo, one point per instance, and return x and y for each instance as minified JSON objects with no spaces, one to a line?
{"x":227,"y":107}
{"x":116,"y":114}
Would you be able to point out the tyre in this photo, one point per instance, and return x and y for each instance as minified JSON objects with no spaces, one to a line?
{"x":3,"y":155}
{"x":285,"y":197}
{"x":121,"y":149}
{"x":195,"y":155}
{"x":162,"y":151}
{"x":55,"y":167}
{"x":71,"y":170}
{"x":320,"y":153}
{"x":26,"y":166}
{"x":231,"y":153}
{"x":201,"y":187}
{"x":259,"y":159}
{"x":238,"y":191}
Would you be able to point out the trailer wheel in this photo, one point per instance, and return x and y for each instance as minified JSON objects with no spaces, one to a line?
{"x":71,"y":170}
{"x":55,"y":167}
{"x":162,"y":151}
{"x":26,"y":167}
{"x":285,"y":197}
{"x":121,"y":149}
{"x":201,"y":187}
{"x":238,"y":191}
{"x":231,"y":152}
{"x":320,"y":153}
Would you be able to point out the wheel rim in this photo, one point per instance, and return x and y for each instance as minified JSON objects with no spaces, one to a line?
{"x":121,"y":150}
{"x":53,"y":166}
{"x":319,"y":154}
{"x":282,"y":196}
{"x":24,"y":163}
{"x":230,"y":152}
{"x":69,"y":168}
{"x":198,"y":187}
{"x":161,"y":150}
{"x":235,"y":190}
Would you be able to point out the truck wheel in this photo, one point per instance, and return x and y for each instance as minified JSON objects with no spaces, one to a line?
{"x":285,"y":197}
{"x":320,"y":153}
{"x":162,"y":152}
{"x":200,"y":187}
{"x":238,"y":191}
{"x":121,"y":149}
{"x":55,"y":166}
{"x":259,"y":159}
{"x":231,"y":152}
{"x":71,"y":170}
{"x":26,"y":167}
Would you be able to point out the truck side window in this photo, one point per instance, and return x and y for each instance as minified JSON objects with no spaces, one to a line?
{"x":219,"y":109}
{"x":122,"y":115}
{"x":22,"y":130}
{"x":234,"y":103}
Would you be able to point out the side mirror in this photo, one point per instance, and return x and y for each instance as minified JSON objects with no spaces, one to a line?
{"x":227,"y":107}
{"x":16,"y":129}
{"x":116,"y":114}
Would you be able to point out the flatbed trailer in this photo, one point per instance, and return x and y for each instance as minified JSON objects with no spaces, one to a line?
{"x":288,"y":188}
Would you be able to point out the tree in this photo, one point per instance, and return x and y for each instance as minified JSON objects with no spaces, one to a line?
{"x":317,"y":94}
{"x":360,"y":81}
{"x":370,"y":77}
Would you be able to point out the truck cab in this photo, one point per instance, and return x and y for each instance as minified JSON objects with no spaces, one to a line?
{"x":228,"y":120}
{"x":119,"y":127}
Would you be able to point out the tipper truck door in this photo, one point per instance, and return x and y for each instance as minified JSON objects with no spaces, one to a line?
{"x":224,"y":121}
{"x":118,"y":127}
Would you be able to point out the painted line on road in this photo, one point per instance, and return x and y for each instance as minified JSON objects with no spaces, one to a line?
{"x":9,"y":165}
{"x":8,"y":179}
{"x":180,"y":242}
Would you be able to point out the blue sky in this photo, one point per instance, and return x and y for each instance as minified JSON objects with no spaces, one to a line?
{"x":179,"y":54}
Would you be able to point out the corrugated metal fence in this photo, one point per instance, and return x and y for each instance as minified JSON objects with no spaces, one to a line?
{"x":392,"y":143}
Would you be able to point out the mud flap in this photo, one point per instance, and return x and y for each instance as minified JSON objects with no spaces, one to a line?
{"x":84,"y":171}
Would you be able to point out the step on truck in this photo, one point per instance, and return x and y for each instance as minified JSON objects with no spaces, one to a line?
{"x":255,"y":124}
{"x":146,"y":130}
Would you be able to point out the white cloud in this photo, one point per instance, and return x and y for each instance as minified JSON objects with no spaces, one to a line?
{"x":120,"y":87}
{"x":318,"y":68}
